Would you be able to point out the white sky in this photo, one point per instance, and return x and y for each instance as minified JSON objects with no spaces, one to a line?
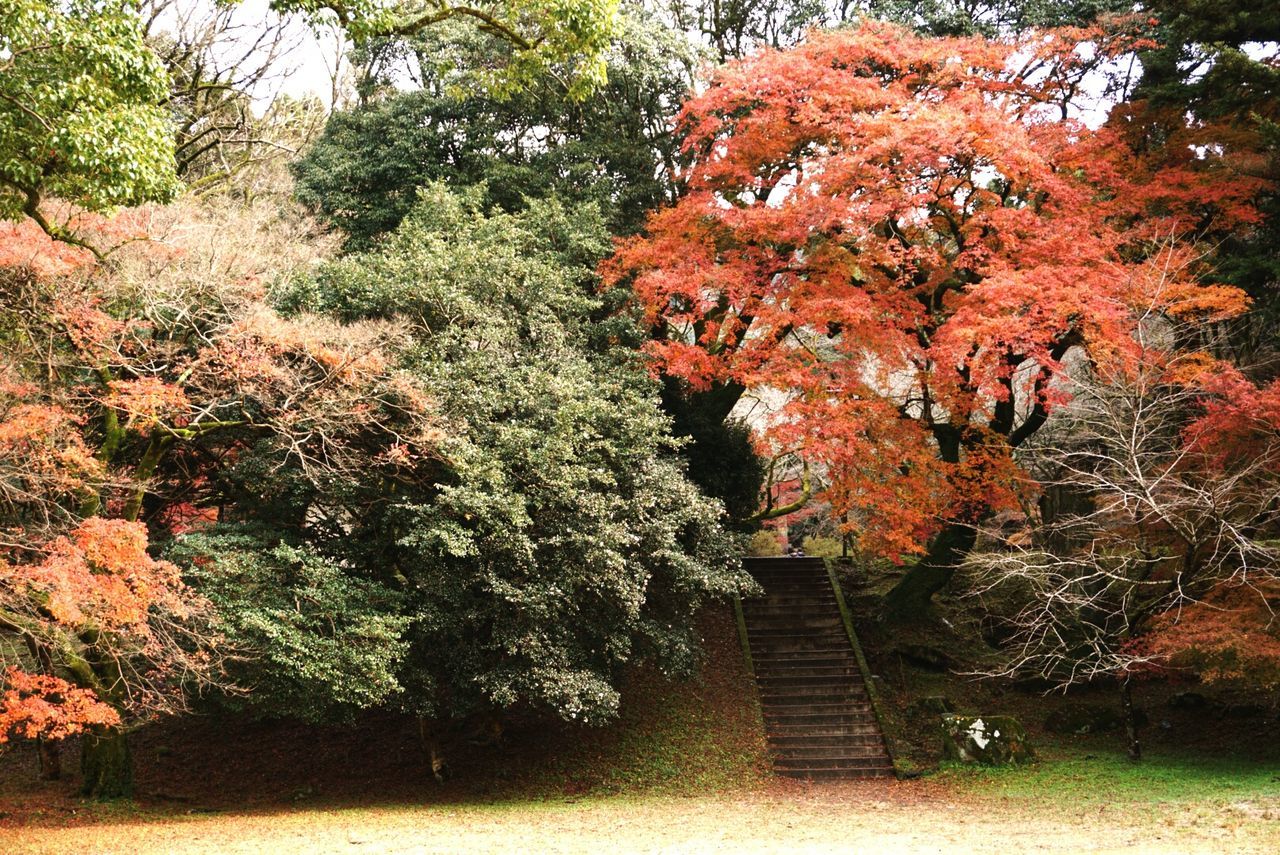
{"x":306,"y":68}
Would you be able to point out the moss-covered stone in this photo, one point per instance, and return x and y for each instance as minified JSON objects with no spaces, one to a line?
{"x":935,"y":704}
{"x":997,"y":740}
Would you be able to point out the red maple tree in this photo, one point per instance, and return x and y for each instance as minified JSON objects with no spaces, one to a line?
{"x":905,"y":237}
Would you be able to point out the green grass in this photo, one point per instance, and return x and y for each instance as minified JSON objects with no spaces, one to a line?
{"x":1107,"y":777}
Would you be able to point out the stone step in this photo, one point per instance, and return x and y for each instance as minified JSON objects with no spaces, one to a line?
{"x":762,"y":618}
{"x":809,"y":658}
{"x":792,"y":644}
{"x":815,"y":714}
{"x":854,"y":773}
{"x":854,"y":734}
{"x":802,"y":685}
{"x":839,"y":762}
{"x":766,"y":578}
{"x":779,"y":675}
{"x":807,"y":698}
{"x":843,"y":674}
{"x":828,"y":753}
{"x":780,"y":605}
{"x":790,"y":590}
{"x":833,"y":630}
{"x":794,"y":649}
{"x":809,"y":717}
{"x":784,"y":605}
{"x":796,"y":625}
{"x":766,"y":612}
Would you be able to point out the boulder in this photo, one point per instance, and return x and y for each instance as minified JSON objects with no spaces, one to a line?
{"x":935,"y":704}
{"x":994,"y":740}
{"x":924,"y":656}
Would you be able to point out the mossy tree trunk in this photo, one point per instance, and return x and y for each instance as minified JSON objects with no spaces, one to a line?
{"x":106,"y":764}
{"x":910,"y":598}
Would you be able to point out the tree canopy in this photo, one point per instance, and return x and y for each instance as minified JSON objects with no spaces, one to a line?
{"x":560,"y":538}
{"x":81,"y":110}
{"x":904,"y":236}
{"x":614,"y":147}
{"x":543,"y":34}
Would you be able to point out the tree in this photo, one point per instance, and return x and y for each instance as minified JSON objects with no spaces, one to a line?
{"x":81,"y":115}
{"x":123,"y":626}
{"x":906,"y":237}
{"x":573,"y":34}
{"x":614,"y":147}
{"x":1219,"y":65}
{"x":125,"y":389}
{"x":1168,"y":555}
{"x":314,"y":639}
{"x":222,"y":64}
{"x":734,"y":29}
{"x":561,"y":540}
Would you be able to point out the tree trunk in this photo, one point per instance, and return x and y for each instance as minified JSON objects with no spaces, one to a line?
{"x":910,"y":598}
{"x":1130,"y":721}
{"x":50,"y":753}
{"x":429,"y":733}
{"x":106,"y":764}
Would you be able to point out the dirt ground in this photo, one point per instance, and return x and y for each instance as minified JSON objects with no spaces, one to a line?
{"x":879,"y":817}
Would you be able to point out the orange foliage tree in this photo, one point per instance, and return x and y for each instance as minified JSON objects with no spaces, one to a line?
{"x":906,"y":237}
{"x":169,"y":353}
{"x":1232,"y":631}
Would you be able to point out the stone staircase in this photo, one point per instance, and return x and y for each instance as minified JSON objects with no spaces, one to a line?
{"x":817,"y":713}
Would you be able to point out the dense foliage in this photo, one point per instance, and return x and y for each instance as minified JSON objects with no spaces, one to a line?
{"x":614,"y":148}
{"x":81,"y":110}
{"x":562,"y":539}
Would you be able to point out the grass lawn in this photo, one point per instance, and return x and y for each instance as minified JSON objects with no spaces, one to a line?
{"x":1058,"y":806}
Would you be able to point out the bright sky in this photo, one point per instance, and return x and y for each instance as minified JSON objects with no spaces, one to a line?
{"x":305,"y":69}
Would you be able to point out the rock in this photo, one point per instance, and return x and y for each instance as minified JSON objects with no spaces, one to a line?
{"x":935,"y":704}
{"x":996,"y":740}
{"x":924,"y":656}
{"x":1188,"y":701}
{"x":996,"y":631}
